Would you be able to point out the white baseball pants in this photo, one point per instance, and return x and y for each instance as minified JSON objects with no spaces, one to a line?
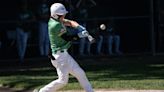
{"x":66,"y":65}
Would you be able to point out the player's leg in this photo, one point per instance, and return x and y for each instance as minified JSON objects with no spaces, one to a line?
{"x":117,"y":44}
{"x":24,"y":44}
{"x":22,"y":38}
{"x":79,"y":73}
{"x":82,"y":46}
{"x":81,"y":77}
{"x":88,"y":47}
{"x":99,"y":44}
{"x":19,"y":42}
{"x":47,"y":43}
{"x":110,"y":45}
{"x":62,"y":71}
{"x":41,"y":38}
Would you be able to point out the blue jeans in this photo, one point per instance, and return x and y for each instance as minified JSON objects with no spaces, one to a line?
{"x":114,"y":40}
{"x":22,"y":38}
{"x":82,"y":46}
{"x":43,"y":38}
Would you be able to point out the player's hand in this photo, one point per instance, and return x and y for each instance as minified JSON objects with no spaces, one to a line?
{"x":91,"y":39}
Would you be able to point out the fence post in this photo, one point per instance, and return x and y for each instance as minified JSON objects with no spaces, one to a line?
{"x":153,"y":47}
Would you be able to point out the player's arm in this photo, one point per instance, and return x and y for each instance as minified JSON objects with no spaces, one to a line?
{"x":81,"y":31}
{"x":70,"y":23}
{"x":75,"y":25}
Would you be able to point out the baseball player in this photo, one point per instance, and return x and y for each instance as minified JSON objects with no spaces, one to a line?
{"x":60,"y":58}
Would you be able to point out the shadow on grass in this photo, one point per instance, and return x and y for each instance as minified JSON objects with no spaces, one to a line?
{"x":126,"y":68}
{"x":26,"y":84}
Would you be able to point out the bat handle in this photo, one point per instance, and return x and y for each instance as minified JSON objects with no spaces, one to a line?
{"x":91,"y":39}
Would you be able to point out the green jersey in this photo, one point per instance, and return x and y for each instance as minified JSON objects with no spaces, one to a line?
{"x":56,"y":30}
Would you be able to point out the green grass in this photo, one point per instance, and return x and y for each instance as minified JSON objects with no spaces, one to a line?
{"x":111,"y":73}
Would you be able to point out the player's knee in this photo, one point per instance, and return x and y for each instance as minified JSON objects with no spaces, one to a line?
{"x":63,"y":82}
{"x":44,"y":89}
{"x":82,"y":73}
{"x":117,"y":37}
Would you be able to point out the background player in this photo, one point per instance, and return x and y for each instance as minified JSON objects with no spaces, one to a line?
{"x":60,"y":43}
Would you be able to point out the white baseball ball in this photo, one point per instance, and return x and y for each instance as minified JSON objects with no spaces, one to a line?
{"x":102,"y":27}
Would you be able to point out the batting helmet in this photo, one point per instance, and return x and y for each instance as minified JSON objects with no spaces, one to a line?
{"x":57,"y":9}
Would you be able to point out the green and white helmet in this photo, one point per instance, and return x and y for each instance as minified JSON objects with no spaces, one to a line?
{"x":57,"y":9}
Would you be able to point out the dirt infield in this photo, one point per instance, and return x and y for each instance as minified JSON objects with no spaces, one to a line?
{"x":105,"y":90}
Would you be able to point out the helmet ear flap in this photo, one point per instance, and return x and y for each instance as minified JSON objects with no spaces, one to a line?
{"x":55,"y":16}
